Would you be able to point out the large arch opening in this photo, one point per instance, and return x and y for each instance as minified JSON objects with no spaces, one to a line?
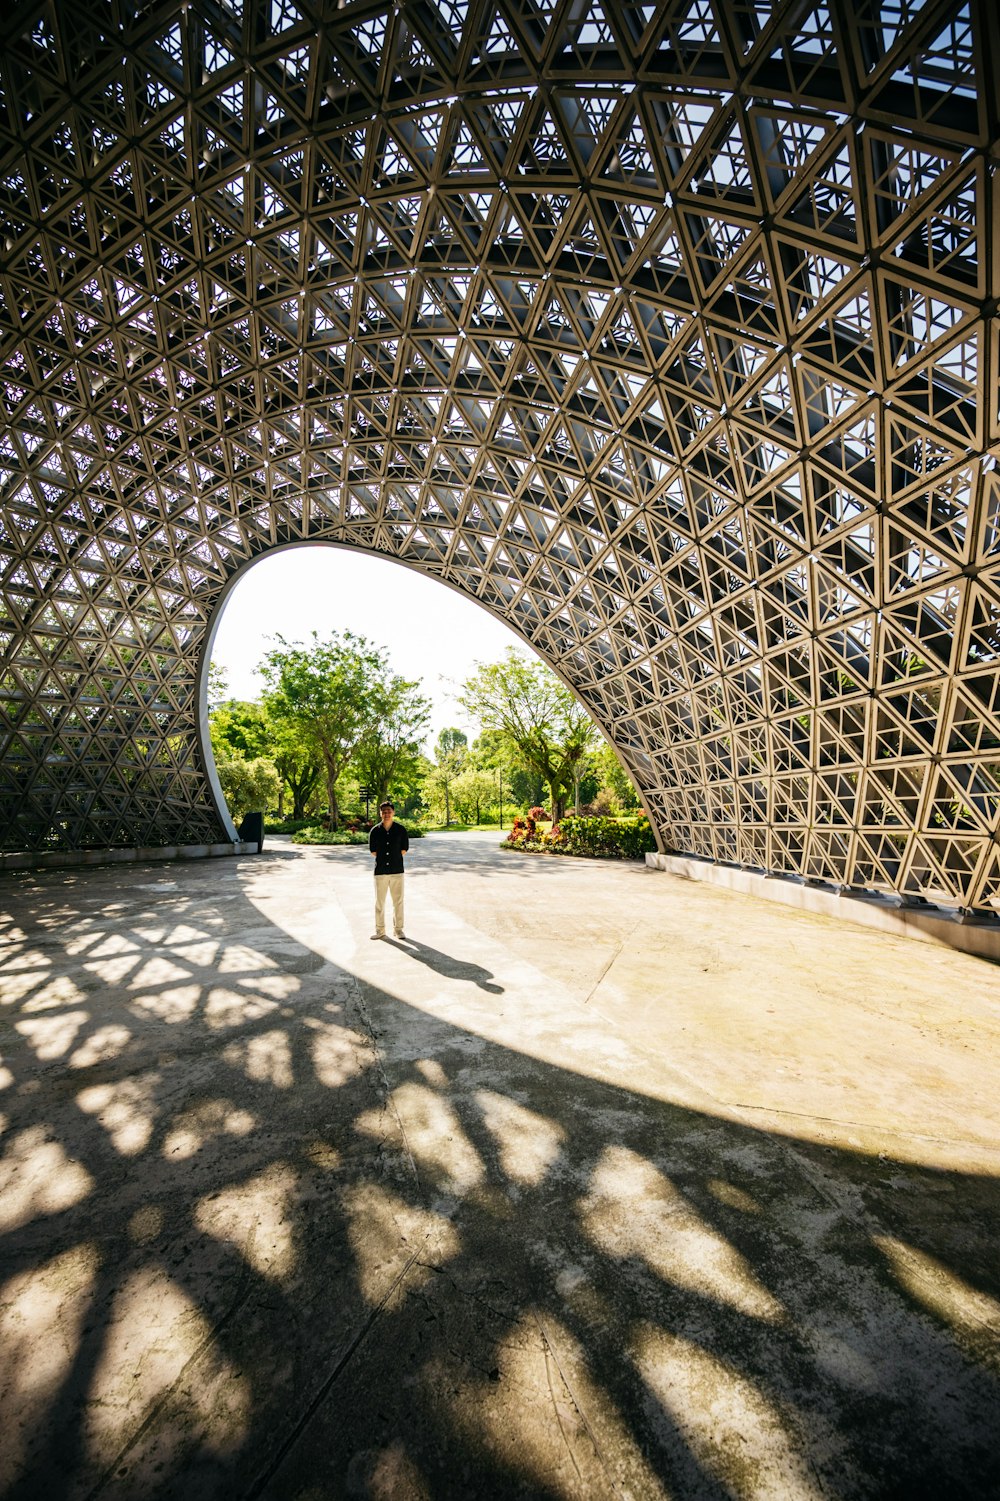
{"x":435,"y":637}
{"x":672,"y":343}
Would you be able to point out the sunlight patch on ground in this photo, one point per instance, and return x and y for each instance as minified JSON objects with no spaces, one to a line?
{"x":52,"y":1037}
{"x":256,"y":1218}
{"x":385,"y":1232}
{"x":732,"y":1196}
{"x":973,"y":1315}
{"x":42,"y":992}
{"x":266,"y":1058}
{"x":38,"y":1178}
{"x":514,"y":1412}
{"x":154,"y":973}
{"x":126,"y":1110}
{"x":336,"y":1052}
{"x":193,"y":1129}
{"x":170,"y":1006}
{"x":738,"y":1438}
{"x":527,"y":1143}
{"x":237,"y":959}
{"x":632,"y":1209}
{"x":229,"y":1008}
{"x":153,"y":1330}
{"x":101,"y":1046}
{"x":42,"y":1312}
{"x":434,"y":1137}
{"x":387,"y":1474}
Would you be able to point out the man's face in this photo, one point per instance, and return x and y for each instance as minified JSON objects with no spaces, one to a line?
{"x":387,"y":817}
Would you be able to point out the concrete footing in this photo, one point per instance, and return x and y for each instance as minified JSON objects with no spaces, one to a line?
{"x":972,"y":934}
{"x":56,"y":859}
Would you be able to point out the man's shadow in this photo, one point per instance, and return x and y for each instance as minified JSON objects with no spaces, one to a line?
{"x":447,"y":964}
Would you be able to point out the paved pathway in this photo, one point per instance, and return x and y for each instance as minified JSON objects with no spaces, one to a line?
{"x":602,"y":1185}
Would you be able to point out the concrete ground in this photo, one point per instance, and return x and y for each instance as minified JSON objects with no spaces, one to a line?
{"x":601,"y":1185}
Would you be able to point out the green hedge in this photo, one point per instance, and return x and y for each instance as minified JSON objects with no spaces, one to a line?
{"x":328,"y":836}
{"x":602,"y":837}
{"x":342,"y":836}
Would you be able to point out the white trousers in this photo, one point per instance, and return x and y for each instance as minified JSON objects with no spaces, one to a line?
{"x":394,"y":886}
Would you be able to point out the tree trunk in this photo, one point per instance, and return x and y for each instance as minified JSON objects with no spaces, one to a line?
{"x":447,"y":806}
{"x":331,"y":795}
{"x":576,"y":790}
{"x":302,"y":786}
{"x":281,"y":801}
{"x":557,"y":802}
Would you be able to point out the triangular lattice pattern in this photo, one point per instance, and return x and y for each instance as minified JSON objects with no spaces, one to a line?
{"x":666,"y":331}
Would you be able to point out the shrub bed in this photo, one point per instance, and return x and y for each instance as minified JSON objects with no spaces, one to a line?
{"x":345,"y":835}
{"x":329,"y":836}
{"x":599,"y":838}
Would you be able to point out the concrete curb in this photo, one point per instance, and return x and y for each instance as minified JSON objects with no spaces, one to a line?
{"x":63,"y":859}
{"x":975,"y":935}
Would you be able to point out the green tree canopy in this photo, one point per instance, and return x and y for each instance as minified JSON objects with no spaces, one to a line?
{"x":610,"y":775}
{"x":240,"y":728}
{"x":298,"y":763}
{"x":388,"y":752}
{"x":473,"y":791}
{"x":450,"y":755}
{"x":327,"y":692}
{"x":525,"y":700}
{"x":249,"y":786}
{"x":218,"y":686}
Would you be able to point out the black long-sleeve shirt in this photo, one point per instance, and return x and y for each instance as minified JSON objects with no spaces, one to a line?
{"x":388,"y":845}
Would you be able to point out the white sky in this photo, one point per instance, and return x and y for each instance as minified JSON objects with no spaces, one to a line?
{"x":431,"y":632}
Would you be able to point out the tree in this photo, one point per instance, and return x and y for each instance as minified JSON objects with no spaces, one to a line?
{"x":391,"y":746}
{"x":409,"y":787}
{"x":239,"y":728}
{"x":473,"y":790}
{"x":218,"y":686}
{"x":247,"y":786}
{"x":541,"y":718}
{"x":526,"y":786}
{"x":450,"y":754}
{"x":299,"y":766}
{"x":247,"y":729}
{"x":326,"y":693}
{"x":613,"y":779}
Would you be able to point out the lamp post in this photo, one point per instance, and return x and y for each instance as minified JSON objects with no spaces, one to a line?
{"x":500,"y":791}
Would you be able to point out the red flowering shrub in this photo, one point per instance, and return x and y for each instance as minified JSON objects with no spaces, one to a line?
{"x":536,"y":813}
{"x":607,"y":838}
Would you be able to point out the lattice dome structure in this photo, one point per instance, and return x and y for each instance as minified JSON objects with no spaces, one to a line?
{"x":666,"y":331}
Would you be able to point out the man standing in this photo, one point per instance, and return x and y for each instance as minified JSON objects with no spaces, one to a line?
{"x":388,"y":842}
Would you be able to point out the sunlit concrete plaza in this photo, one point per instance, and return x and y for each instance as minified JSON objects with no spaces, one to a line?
{"x":603,"y":1184}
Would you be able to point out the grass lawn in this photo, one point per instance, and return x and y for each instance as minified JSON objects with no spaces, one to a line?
{"x":462,"y":828}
